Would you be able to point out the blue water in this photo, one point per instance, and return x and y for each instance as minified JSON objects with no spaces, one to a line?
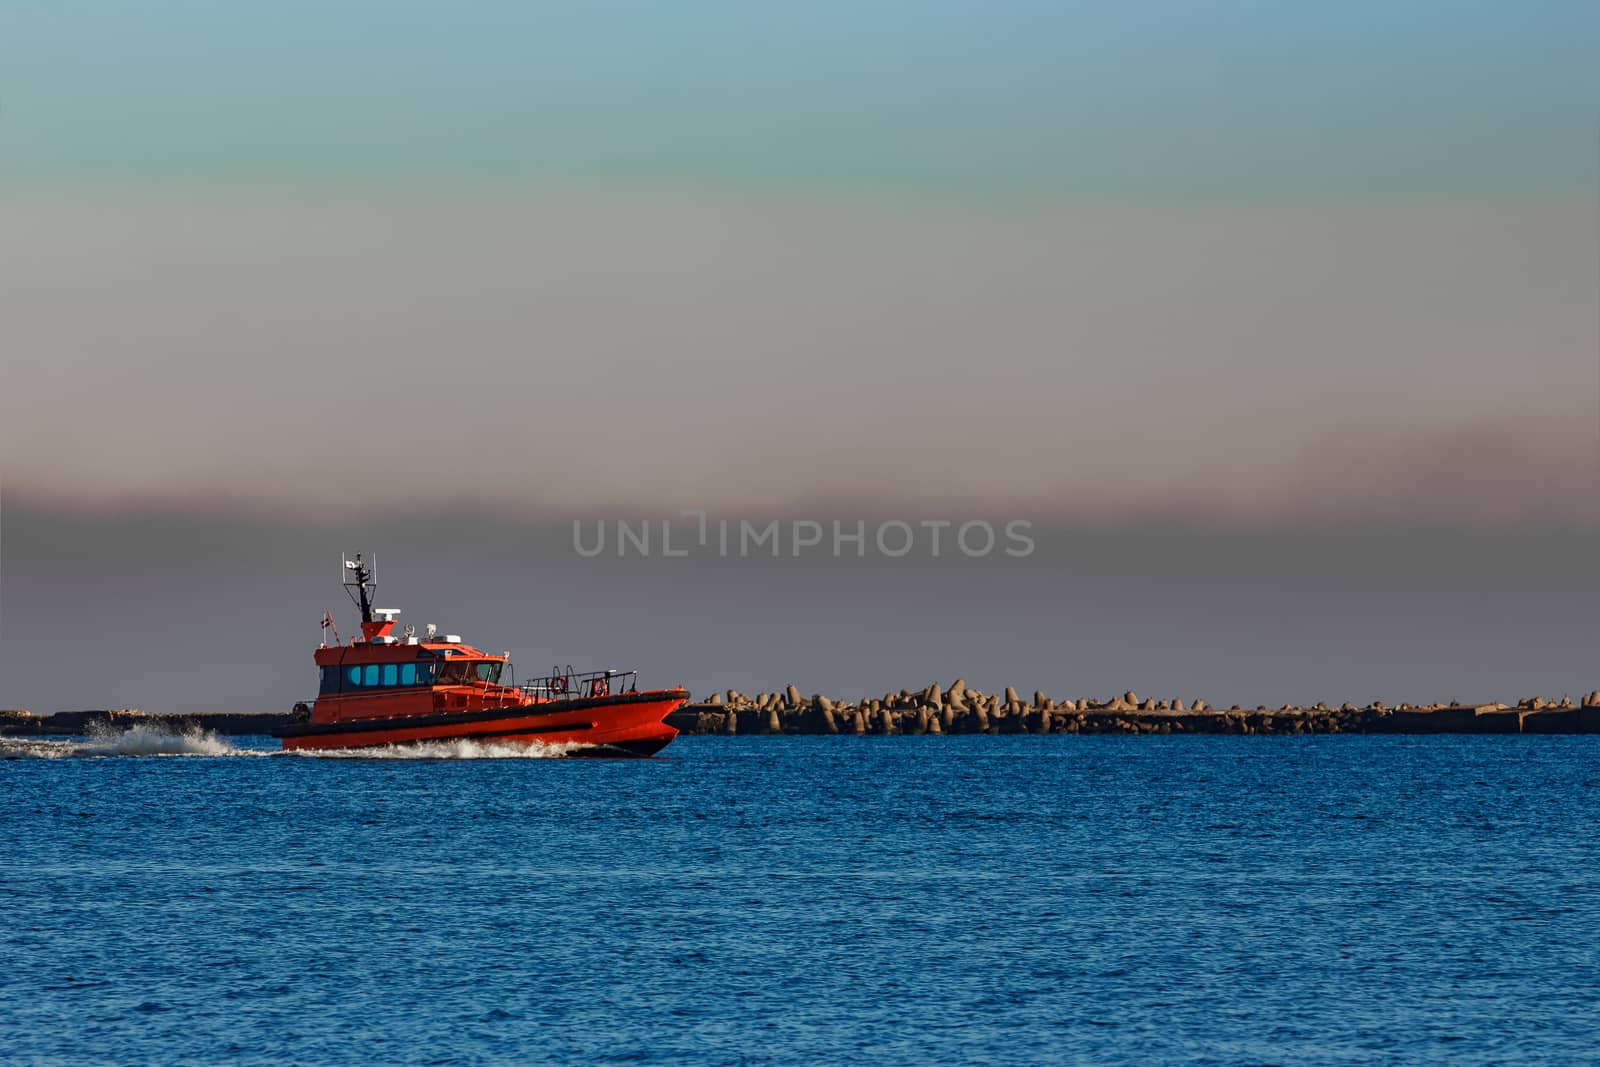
{"x":810,"y":900}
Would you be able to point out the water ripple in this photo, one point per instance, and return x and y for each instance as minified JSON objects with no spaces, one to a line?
{"x":837,"y":900}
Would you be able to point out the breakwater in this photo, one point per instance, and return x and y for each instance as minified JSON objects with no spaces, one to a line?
{"x":959,"y":709}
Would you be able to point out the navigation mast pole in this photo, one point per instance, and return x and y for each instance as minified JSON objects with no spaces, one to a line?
{"x":361,"y":584}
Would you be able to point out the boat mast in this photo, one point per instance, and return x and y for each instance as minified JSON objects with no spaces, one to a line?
{"x":361,"y":584}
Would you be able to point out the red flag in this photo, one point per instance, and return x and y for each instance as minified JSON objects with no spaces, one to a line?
{"x":327,"y":620}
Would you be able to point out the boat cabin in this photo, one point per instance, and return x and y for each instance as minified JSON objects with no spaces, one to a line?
{"x":378,"y":674}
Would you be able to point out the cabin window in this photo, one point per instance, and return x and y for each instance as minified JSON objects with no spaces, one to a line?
{"x":453,"y":673}
{"x":464,"y":673}
{"x":387,"y":675}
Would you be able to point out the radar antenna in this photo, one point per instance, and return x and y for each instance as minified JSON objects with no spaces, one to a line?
{"x":360,"y":582}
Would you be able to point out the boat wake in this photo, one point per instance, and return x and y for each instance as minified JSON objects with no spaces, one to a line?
{"x":145,"y":740}
{"x":459,"y":748}
{"x":139,"y":740}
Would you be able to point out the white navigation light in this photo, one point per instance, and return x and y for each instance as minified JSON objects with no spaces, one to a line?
{"x":432,"y":629}
{"x":350,"y":564}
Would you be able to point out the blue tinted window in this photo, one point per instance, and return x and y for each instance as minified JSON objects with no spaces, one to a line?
{"x":369,"y":674}
{"x":408,"y":674}
{"x":354,"y":675}
{"x":425,"y":673}
{"x":391,"y":673}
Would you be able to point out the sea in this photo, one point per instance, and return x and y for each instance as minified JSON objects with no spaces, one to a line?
{"x":803,"y":900}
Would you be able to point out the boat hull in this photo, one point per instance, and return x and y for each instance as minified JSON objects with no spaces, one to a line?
{"x":624,"y":724}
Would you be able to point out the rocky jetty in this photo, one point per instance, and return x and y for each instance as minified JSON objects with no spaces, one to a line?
{"x":960,"y":709}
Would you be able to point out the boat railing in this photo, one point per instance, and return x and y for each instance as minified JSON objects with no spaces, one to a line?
{"x":565,"y":684}
{"x":557,"y":685}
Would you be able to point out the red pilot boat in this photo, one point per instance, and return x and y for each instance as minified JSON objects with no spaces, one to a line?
{"x":383,"y":689}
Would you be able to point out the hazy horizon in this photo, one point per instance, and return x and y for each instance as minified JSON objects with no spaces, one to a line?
{"x":175,"y":612}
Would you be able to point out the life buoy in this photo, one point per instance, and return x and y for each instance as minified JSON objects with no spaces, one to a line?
{"x":558,"y":683}
{"x":600,"y":687}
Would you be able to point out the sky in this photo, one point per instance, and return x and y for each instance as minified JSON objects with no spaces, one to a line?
{"x":1317,"y":277}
